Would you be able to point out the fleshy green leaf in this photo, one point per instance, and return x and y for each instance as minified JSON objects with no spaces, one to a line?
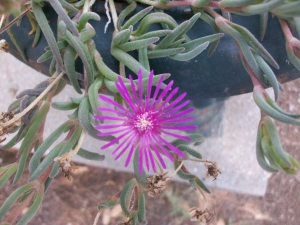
{"x":137,"y":17}
{"x":7,"y":204}
{"x":190,"y":151}
{"x":269,"y":110}
{"x":259,"y":152}
{"x":5,"y":175}
{"x":124,"y":14}
{"x":90,"y":155}
{"x":33,"y":208}
{"x":29,"y":138}
{"x":84,"y":119}
{"x":35,"y":159}
{"x":126,"y":195}
{"x":47,"y":161}
{"x":130,"y":46}
{"x":274,"y":137}
{"x":191,"y":54}
{"x":69,"y":58}
{"x":64,"y":105}
{"x":201,"y":185}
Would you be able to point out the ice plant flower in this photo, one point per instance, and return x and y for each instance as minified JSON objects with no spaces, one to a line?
{"x":144,"y":120}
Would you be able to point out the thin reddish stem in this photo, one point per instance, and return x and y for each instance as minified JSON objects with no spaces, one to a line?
{"x":286,"y":30}
{"x":179,"y":3}
{"x":44,"y":176}
{"x":212,"y":12}
{"x":254,"y":79}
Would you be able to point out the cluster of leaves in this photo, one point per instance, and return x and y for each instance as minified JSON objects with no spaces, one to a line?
{"x":75,"y":39}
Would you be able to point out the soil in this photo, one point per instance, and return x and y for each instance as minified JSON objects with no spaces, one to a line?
{"x":75,"y":202}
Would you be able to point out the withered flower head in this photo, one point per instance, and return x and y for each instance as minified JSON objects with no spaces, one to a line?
{"x":202,"y":216}
{"x":10,"y":6}
{"x":156,"y":184}
{"x":125,"y":221}
{"x":66,"y":166}
{"x":5,"y":117}
{"x":4,"y":46}
{"x":212,"y":169}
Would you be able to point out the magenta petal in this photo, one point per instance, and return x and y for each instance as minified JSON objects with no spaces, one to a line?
{"x":125,"y":94}
{"x":158,"y":156}
{"x":178,"y":127}
{"x":108,"y":100}
{"x":130,"y":153}
{"x":173,"y":103}
{"x":112,"y":132}
{"x":111,"y":118}
{"x":187,"y":111}
{"x":115,"y":140}
{"x":162,"y":147}
{"x":149,"y":89}
{"x":157,"y":89}
{"x":123,"y":150}
{"x":113,"y":111}
{"x":173,"y":148}
{"x":164,"y":92}
{"x":111,"y":126}
{"x":126,"y":147}
{"x":133,"y":90}
{"x":148,"y":148}
{"x":119,"y":146}
{"x":176,"y":135}
{"x":168,"y":98}
{"x":179,"y":107}
{"x":122,"y":143}
{"x":182,"y":120}
{"x":140,"y":77}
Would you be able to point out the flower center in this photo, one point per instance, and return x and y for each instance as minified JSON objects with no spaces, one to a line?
{"x":144,"y":122}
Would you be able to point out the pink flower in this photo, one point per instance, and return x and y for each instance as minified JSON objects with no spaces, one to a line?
{"x":144,"y":120}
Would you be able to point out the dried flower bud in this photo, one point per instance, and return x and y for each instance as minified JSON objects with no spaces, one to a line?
{"x":202,"y":216}
{"x":212,"y":169}
{"x":4,"y":46}
{"x":66,"y":166}
{"x":125,"y":221}
{"x":11,"y":6}
{"x":5,"y":117}
{"x":156,"y":184}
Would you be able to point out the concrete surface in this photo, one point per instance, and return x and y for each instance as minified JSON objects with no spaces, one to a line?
{"x":233,"y":146}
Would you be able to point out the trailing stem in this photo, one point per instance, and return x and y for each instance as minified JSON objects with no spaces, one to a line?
{"x":35,"y":102}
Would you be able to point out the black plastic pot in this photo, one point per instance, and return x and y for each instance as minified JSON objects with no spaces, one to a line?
{"x":203,"y":77}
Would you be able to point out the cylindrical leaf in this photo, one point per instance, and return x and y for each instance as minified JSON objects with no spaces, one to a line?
{"x":126,"y":195}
